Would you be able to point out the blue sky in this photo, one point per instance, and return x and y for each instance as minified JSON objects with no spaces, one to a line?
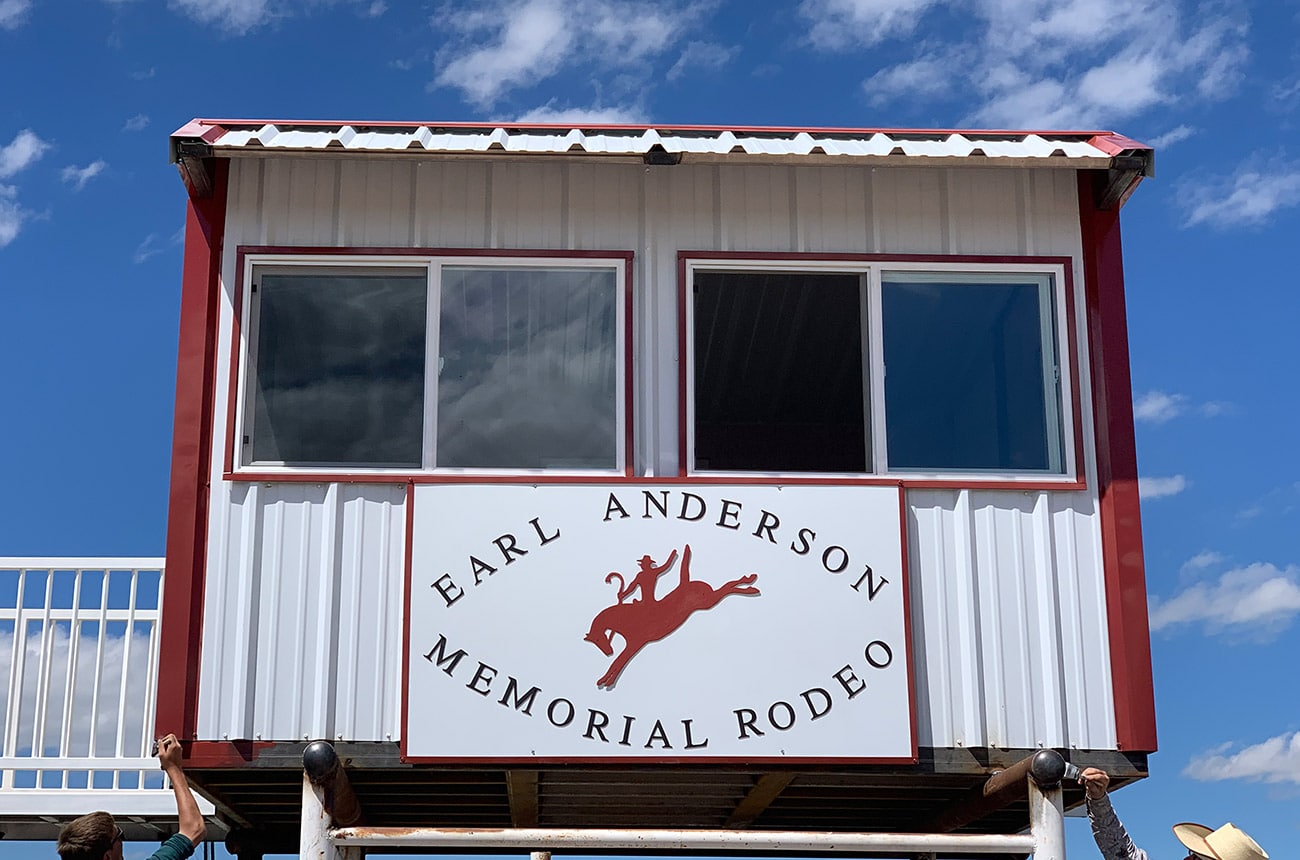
{"x":91,"y":213}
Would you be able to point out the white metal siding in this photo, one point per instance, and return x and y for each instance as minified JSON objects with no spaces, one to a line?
{"x":1008,"y":612}
{"x":303,"y":612}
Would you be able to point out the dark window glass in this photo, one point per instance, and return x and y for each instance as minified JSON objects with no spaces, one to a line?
{"x":339,"y":369}
{"x":970,"y":374}
{"x":778,"y":372}
{"x":528,"y":368}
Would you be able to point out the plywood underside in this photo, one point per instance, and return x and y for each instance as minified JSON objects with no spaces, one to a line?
{"x":265,"y":796}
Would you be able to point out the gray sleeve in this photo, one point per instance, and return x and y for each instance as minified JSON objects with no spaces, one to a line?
{"x":1112,"y":839}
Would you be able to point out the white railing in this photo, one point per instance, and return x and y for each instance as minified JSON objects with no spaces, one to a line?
{"x":79,"y":649}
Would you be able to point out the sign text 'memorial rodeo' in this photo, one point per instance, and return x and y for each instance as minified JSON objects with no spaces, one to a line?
{"x":561,"y":713}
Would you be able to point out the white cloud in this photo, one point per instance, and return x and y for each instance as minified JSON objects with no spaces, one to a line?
{"x":841,"y":24}
{"x":136,"y":123}
{"x":234,"y":16}
{"x":1202,"y":560}
{"x":1259,"y":600}
{"x":1274,"y":760}
{"x":584,"y":116}
{"x":1174,"y":135}
{"x":531,"y":42}
{"x":1159,"y":488}
{"x":1048,"y":63}
{"x":1251,"y":513}
{"x":21,"y":152}
{"x":708,"y":56}
{"x":927,"y":76}
{"x":1159,"y":407}
{"x":147,"y":249}
{"x":1130,"y":83}
{"x":153,"y":245}
{"x":1248,"y":198}
{"x":12,"y":215}
{"x":79,"y":176}
{"x":376,"y":9}
{"x":509,"y":44}
{"x":13,"y":13}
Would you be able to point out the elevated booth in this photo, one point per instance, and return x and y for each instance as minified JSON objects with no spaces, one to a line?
{"x":587,"y":484}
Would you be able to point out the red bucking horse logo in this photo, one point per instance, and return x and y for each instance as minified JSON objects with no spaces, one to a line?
{"x":651,"y":618}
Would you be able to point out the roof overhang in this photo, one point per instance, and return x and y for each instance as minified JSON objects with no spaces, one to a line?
{"x":1124,"y":161}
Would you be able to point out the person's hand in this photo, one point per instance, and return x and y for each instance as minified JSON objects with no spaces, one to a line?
{"x":1094,"y":782}
{"x":169,"y":752}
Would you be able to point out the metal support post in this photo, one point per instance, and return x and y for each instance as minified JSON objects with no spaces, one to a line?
{"x":314,"y":836}
{"x":1046,"y":807}
{"x":326,"y":796}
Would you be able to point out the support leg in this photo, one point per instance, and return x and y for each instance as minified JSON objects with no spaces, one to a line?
{"x":1047,"y":821}
{"x":314,"y":834}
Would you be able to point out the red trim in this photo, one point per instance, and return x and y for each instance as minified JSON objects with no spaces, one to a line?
{"x":633,"y":761}
{"x":683,"y":350}
{"x":1071,"y":337}
{"x":1117,"y":476}
{"x":822,"y":256}
{"x":223,"y":753}
{"x":187,"y":512}
{"x":360,"y":251}
{"x":194,"y":128}
{"x":406,"y":615}
{"x":629,"y":306}
{"x":714,"y":478}
{"x":232,"y":394}
{"x":1113,"y":144}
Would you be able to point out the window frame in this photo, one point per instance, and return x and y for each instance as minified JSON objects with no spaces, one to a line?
{"x":253,"y":260}
{"x":873,"y":269}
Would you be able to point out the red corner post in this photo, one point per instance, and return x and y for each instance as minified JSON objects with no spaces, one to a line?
{"x":187,"y":509}
{"x":1121,"y":521}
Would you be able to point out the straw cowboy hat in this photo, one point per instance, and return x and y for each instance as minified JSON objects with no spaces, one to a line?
{"x":1227,"y":843}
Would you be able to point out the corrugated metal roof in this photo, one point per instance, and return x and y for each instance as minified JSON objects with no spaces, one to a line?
{"x":1075,"y":149}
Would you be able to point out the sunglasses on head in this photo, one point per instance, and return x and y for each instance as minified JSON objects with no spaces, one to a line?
{"x":117,"y":837}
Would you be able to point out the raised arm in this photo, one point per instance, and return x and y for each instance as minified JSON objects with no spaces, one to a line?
{"x":192,"y":825}
{"x":1111,"y":837}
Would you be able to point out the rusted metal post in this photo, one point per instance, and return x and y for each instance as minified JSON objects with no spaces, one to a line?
{"x":323,"y":768}
{"x":327,"y":802}
{"x":314,"y":835}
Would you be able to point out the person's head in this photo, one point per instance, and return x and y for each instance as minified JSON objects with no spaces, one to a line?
{"x":91,"y":837}
{"x":1229,"y":842}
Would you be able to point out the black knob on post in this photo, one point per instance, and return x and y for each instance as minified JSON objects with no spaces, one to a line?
{"x":320,"y":761}
{"x":1047,"y":767}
